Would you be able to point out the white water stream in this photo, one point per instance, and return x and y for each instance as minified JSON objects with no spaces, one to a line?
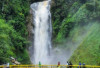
{"x":42,"y":32}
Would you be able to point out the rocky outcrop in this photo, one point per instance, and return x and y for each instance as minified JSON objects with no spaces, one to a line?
{"x":30,"y":26}
{"x":32,"y":1}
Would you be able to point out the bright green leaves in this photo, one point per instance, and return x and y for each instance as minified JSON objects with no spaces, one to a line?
{"x":64,"y":30}
{"x":13,"y":30}
{"x":5,"y":41}
{"x":89,"y":48}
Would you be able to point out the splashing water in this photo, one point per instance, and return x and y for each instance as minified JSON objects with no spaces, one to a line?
{"x":42,"y":32}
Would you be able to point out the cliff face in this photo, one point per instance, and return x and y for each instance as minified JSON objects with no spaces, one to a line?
{"x":30,"y":25}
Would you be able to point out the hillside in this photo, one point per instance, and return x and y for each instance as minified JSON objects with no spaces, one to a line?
{"x":79,"y":30}
{"x":88,"y":51}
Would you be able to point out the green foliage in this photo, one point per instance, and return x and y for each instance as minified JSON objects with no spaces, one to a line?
{"x":79,"y":13}
{"x":13,"y":31}
{"x":90,"y":7}
{"x":24,"y":57}
{"x":74,"y":8}
{"x":64,"y":29}
{"x":82,"y":1}
{"x":11,"y":42}
{"x":89,"y":50}
{"x":5,"y":42}
{"x":58,"y":14}
{"x":84,"y":14}
{"x":55,"y":28}
{"x":90,"y":45}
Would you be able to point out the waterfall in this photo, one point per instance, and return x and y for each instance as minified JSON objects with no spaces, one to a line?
{"x":42,"y":32}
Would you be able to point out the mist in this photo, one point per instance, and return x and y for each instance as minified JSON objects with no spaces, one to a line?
{"x":64,"y":51}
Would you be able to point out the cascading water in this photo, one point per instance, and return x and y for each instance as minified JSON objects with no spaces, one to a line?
{"x":42,"y":32}
{"x":40,"y":51}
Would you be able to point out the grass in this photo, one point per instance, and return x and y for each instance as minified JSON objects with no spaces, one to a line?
{"x":88,"y":51}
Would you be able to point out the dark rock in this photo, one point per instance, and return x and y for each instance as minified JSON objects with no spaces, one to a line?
{"x":32,"y":1}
